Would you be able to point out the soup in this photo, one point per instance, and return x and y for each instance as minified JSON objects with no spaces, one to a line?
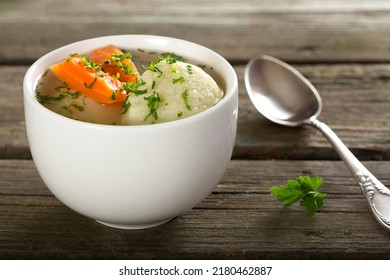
{"x":141,"y":87}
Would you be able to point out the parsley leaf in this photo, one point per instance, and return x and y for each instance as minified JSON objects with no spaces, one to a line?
{"x":304,"y":189}
{"x":172,"y":57}
{"x":126,"y":105}
{"x":89,"y":64}
{"x":133,"y":87}
{"x":119,"y":58}
{"x":152,"y":67}
{"x":90,"y":86}
{"x":189,"y":68}
{"x":43,"y":98}
{"x":181,"y":80}
{"x":152,"y":102}
{"x":185,"y":98}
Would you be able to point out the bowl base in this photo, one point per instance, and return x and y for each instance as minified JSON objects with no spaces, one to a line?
{"x":134,"y":226}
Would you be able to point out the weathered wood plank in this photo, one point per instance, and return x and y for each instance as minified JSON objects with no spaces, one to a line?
{"x":356,"y":105}
{"x":13,"y":140}
{"x":293,"y":30}
{"x":239,"y":220}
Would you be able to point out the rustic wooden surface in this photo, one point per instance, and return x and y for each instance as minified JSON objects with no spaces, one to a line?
{"x":343,"y":47}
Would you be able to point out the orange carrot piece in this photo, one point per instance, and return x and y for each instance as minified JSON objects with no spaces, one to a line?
{"x":114,"y":61}
{"x":93,"y":83}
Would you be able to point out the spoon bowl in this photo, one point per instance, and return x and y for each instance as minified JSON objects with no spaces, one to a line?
{"x":283,"y":95}
{"x":290,"y":101}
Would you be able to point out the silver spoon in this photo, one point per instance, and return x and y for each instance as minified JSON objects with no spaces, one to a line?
{"x":285,"y":96}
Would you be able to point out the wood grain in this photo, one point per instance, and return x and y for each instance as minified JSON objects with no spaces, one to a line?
{"x":343,"y":47}
{"x":292,"y":30}
{"x":239,"y":220}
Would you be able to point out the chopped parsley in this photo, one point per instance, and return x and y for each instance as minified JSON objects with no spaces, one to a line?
{"x":45,"y":73}
{"x":181,"y":80}
{"x":153,"y":101}
{"x":89,"y":64}
{"x":73,"y":95}
{"x":174,"y":70}
{"x":133,"y":87}
{"x":43,"y":98}
{"x":126,"y":105}
{"x":171,"y":59}
{"x":62,"y":88}
{"x":113,"y":95}
{"x":185,"y":98}
{"x":189,"y":68}
{"x":172,"y":56}
{"x":119,"y":58}
{"x":152,"y":67}
{"x":75,"y":105}
{"x":90,"y":86}
{"x":65,"y":89}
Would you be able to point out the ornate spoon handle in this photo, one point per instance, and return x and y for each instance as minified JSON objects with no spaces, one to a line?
{"x":377,"y":195}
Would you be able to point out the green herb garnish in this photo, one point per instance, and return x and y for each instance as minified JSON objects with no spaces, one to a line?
{"x":126,"y":105}
{"x":113,"y":95}
{"x":304,"y":189}
{"x":185,"y":98}
{"x":152,"y":67}
{"x":153,"y":101}
{"x":171,"y":59}
{"x":87,"y":63}
{"x":46,"y":72}
{"x":189,"y":68}
{"x":65,"y":89}
{"x":62,"y":88}
{"x":90,"y":86}
{"x":43,"y":98}
{"x":171,"y":56}
{"x":181,"y":80}
{"x":119,"y":58}
{"x":75,"y":105}
{"x":132,"y":87}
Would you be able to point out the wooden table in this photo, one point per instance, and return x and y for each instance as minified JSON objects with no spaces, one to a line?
{"x":343,"y":47}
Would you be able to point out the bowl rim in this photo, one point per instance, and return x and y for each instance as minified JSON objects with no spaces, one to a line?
{"x":29,"y":85}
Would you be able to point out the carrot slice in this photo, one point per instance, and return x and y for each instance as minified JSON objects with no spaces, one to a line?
{"x":85,"y":77}
{"x":114,"y":62}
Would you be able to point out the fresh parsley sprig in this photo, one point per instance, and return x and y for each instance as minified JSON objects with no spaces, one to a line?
{"x":303,"y":189}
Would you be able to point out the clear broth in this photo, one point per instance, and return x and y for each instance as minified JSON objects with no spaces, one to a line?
{"x":57,"y":97}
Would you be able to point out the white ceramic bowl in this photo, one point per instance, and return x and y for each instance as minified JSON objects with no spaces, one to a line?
{"x":133,"y":177}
